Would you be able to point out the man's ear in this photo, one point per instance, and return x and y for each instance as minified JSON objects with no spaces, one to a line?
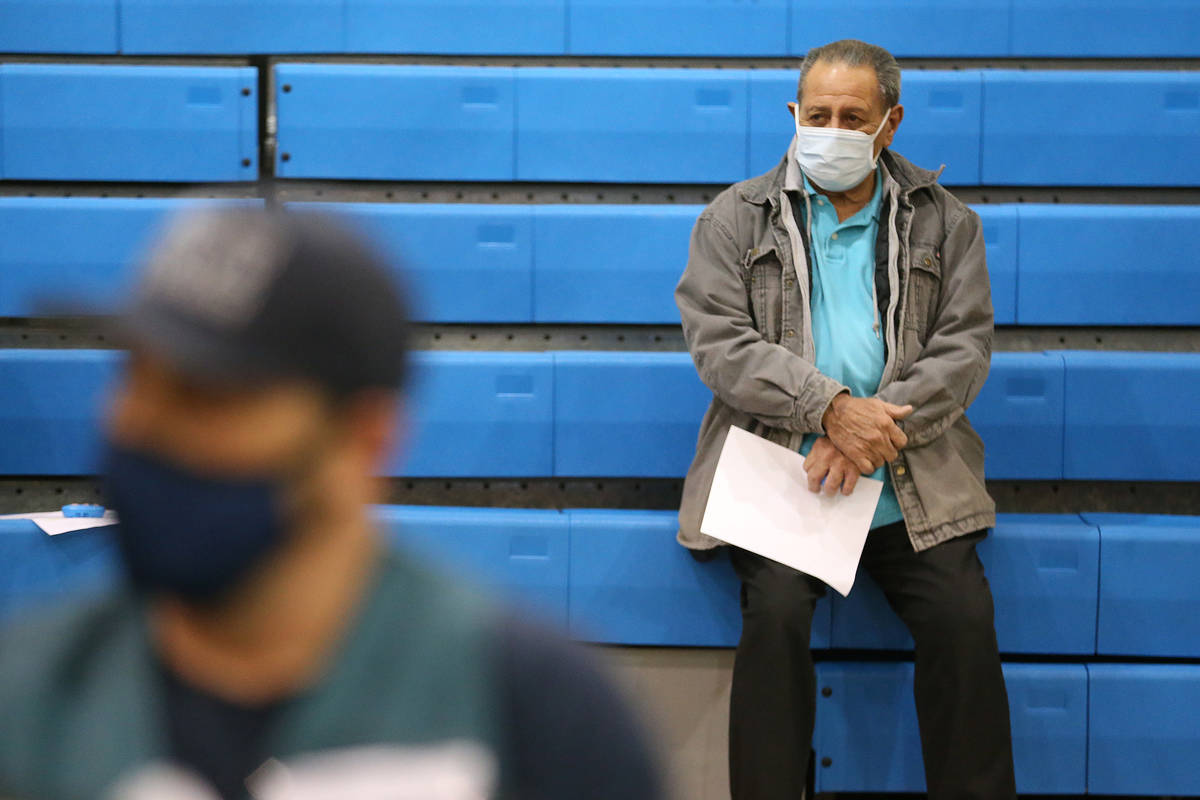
{"x":893,"y":122}
{"x":791,"y":107}
{"x":377,"y":424}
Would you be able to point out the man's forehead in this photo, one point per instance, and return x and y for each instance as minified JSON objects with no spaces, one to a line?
{"x":830,"y":82}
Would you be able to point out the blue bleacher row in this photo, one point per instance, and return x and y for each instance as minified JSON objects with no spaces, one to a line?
{"x":586,"y":27}
{"x":1050,"y":264}
{"x":1087,"y":586}
{"x":575,"y":124}
{"x":1052,"y":415}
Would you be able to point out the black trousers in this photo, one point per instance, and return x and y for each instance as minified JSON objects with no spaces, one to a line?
{"x":941,"y":594}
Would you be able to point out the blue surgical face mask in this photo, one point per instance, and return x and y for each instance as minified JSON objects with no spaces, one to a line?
{"x":186,"y":534}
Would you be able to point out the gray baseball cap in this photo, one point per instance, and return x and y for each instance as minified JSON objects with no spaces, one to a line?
{"x":251,"y":295}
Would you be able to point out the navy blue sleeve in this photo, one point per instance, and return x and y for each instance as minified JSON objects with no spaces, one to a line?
{"x":568,"y":734}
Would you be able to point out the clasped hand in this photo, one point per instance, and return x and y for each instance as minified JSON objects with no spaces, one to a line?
{"x":861,"y":436}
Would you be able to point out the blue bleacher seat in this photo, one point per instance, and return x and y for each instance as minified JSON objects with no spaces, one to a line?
{"x":867,"y":728}
{"x":631,"y":125}
{"x":93,"y":122}
{"x":77,"y":253}
{"x":1109,"y":265}
{"x":58,"y":26}
{"x":49,"y":402}
{"x":941,"y":121}
{"x":1107,"y":28}
{"x":1000,"y":241}
{"x":1142,"y":729}
{"x":678,"y":27}
{"x":37,"y":570}
{"x":770,"y":127}
{"x":1043,"y":570}
{"x":626,"y":414}
{"x":480,"y":415}
{"x":1132,"y":416}
{"x":232,"y":26}
{"x":1090,"y":128}
{"x":1148,"y":587}
{"x":609,"y":264}
{"x":1019,"y":415}
{"x":502,"y":27}
{"x":519,"y":553}
{"x":393,"y":122}
{"x":633,"y":584}
{"x":463,"y":262}
{"x":916,"y":28}
{"x":474,"y":414}
{"x":942,"y":124}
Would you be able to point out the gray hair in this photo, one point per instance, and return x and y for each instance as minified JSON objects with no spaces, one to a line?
{"x":854,"y":53}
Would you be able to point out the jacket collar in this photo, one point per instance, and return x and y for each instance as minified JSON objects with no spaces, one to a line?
{"x":765,"y":189}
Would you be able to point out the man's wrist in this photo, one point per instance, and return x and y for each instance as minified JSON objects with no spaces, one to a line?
{"x":831,"y":409}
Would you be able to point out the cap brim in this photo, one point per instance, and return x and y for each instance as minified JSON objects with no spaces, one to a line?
{"x":191,"y":350}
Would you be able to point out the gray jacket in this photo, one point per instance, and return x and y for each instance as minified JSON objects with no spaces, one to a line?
{"x":745,"y":310}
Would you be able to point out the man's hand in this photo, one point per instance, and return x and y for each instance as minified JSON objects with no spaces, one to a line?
{"x":865,"y":430}
{"x":826,"y":463}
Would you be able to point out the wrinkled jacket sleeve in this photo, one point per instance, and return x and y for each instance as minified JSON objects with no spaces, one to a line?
{"x":742,"y":369}
{"x":947,"y":375}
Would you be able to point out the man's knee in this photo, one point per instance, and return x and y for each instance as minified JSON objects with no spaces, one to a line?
{"x":779,"y":598}
{"x":961,"y":613}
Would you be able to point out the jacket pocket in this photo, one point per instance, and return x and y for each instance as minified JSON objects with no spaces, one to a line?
{"x":763,"y":274}
{"x":924,"y":289}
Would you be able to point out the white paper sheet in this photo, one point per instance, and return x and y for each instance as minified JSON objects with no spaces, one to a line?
{"x":54,"y":523}
{"x":760,"y":501}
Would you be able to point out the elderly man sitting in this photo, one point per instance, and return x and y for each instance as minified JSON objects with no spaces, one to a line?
{"x":840,"y":305}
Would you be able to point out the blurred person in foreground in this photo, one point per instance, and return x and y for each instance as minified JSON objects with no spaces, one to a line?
{"x":267,"y":643}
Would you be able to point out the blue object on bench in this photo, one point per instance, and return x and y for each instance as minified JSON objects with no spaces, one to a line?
{"x":1132,"y":416}
{"x":678,"y":27}
{"x":1109,"y":265}
{"x":626,"y":414}
{"x":609,"y":264}
{"x":79,"y":510}
{"x":632,"y":583}
{"x":92,"y":122}
{"x":522,"y":554}
{"x":1043,"y":571}
{"x":58,"y":26}
{"x":1142,"y":729}
{"x":49,"y":404}
{"x":1084,"y":128}
{"x":462,"y":263}
{"x":479,"y":27}
{"x":1001,"y":243}
{"x":917,"y":28}
{"x":1019,"y":415}
{"x":39,"y":571}
{"x":480,"y":414}
{"x":1105,"y":28}
{"x":232,"y":26}
{"x":78,"y":253}
{"x":1148,"y":587}
{"x":631,"y":125}
{"x":392,"y":122}
{"x":867,"y":728}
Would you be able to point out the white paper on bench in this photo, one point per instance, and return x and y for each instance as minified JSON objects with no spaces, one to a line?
{"x":54,"y":523}
{"x":760,"y":502}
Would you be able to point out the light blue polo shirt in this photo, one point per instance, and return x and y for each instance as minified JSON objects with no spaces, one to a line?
{"x":849,"y":345}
